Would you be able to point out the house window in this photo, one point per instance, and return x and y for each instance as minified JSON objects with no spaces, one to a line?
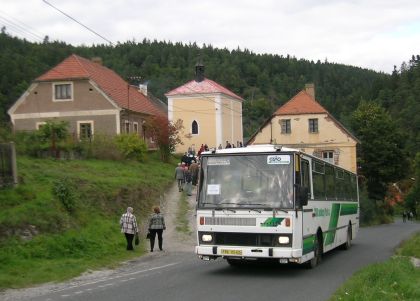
{"x":285,"y":126}
{"x":328,"y":156}
{"x":136,"y":127}
{"x":194,"y":128}
{"x":127,"y":127}
{"x":313,"y":125}
{"x":63,"y":92}
{"x":85,"y":130}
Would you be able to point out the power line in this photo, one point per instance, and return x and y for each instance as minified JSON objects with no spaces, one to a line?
{"x":23,"y":26}
{"x":19,"y":30}
{"x":78,"y":22}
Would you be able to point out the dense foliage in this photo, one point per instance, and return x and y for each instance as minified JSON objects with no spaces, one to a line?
{"x":380,"y":153}
{"x":412,"y":200}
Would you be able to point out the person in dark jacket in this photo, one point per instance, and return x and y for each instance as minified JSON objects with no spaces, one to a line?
{"x":156,"y":226}
{"x":188,"y":182}
{"x":180,"y":176}
{"x":194,"y":172}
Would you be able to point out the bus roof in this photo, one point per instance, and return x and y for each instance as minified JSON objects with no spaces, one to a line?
{"x":258,"y":148}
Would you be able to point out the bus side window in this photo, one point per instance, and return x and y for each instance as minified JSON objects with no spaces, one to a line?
{"x":305,"y":179}
{"x":318,"y":180}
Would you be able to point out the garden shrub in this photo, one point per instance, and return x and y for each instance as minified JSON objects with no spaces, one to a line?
{"x":64,"y":190}
{"x":131,"y":146}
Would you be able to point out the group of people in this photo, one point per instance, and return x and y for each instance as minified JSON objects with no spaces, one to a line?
{"x":407,"y":215}
{"x":186,"y":175}
{"x":231,"y":145}
{"x":128,"y":224}
{"x":205,"y":148}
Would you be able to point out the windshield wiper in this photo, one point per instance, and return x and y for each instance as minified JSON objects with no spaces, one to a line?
{"x":263,"y":207}
{"x":227,"y":202}
{"x":228,"y":209}
{"x":277,"y":209}
{"x":206,"y":203}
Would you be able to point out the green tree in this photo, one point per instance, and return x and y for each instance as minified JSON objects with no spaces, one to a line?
{"x":381,"y":155}
{"x":54,"y":132}
{"x":412,"y":200}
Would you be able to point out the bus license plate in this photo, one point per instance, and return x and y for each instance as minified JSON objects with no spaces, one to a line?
{"x":231,"y":252}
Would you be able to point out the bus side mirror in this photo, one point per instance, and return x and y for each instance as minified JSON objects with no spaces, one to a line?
{"x":302,"y":196}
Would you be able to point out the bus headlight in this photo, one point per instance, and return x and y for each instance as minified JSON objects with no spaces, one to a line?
{"x":206,"y":237}
{"x":284,"y":240}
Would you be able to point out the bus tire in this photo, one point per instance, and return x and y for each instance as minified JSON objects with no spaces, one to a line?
{"x":317,"y":252}
{"x":347,"y":244}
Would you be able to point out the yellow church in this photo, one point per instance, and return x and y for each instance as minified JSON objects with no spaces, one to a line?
{"x":211,"y":114}
{"x":304,"y":124}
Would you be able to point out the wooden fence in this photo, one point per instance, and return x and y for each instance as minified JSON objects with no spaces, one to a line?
{"x":8,"y":169}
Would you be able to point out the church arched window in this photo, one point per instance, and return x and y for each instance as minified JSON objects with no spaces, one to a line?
{"x":194,"y":128}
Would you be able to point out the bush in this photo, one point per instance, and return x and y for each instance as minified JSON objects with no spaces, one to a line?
{"x":373,"y":212}
{"x":51,"y":139}
{"x":102,"y":147}
{"x":5,"y":133}
{"x":64,"y":190}
{"x":131,"y":146}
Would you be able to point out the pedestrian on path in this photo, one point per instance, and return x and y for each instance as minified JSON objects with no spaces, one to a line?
{"x":179,"y":176}
{"x":128,"y":224}
{"x":188,"y":182}
{"x":156,"y":226}
{"x":194,"y":172}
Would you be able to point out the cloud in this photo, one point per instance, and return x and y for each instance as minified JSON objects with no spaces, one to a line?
{"x":371,"y":34}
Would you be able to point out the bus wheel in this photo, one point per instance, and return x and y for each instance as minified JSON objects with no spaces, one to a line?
{"x":347,"y":244}
{"x":317,"y":253}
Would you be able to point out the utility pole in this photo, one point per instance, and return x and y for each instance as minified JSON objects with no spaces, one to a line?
{"x":130,"y":79}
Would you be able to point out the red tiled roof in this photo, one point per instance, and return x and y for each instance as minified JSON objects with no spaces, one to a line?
{"x":76,"y":67}
{"x":301,"y":103}
{"x":206,"y":86}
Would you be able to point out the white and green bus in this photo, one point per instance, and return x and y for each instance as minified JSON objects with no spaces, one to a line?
{"x":271,"y":202}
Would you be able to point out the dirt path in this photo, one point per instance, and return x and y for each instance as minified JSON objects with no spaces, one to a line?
{"x":173,"y":242}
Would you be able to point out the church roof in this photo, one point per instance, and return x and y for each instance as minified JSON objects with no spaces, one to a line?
{"x":207,"y":86}
{"x":125,"y":95}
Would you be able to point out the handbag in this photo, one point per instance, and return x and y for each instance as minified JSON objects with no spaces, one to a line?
{"x":137,"y":240}
{"x":148,"y":235}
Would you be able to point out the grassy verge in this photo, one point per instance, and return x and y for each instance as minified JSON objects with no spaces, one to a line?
{"x":395,"y":279}
{"x":44,"y":239}
{"x":182,"y":222}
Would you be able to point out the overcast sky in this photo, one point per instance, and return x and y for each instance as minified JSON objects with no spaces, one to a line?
{"x":374,"y":34}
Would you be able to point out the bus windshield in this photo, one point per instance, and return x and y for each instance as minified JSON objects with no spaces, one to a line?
{"x":247,"y":181}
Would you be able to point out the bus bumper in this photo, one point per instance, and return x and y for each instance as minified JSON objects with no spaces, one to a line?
{"x":212,"y":252}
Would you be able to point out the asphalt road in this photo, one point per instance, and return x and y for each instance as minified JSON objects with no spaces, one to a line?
{"x":182,"y":276}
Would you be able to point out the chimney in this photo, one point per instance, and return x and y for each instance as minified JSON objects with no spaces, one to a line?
{"x":97,"y":60}
{"x":199,"y":72}
{"x":310,"y":89}
{"x":143,"y":89}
